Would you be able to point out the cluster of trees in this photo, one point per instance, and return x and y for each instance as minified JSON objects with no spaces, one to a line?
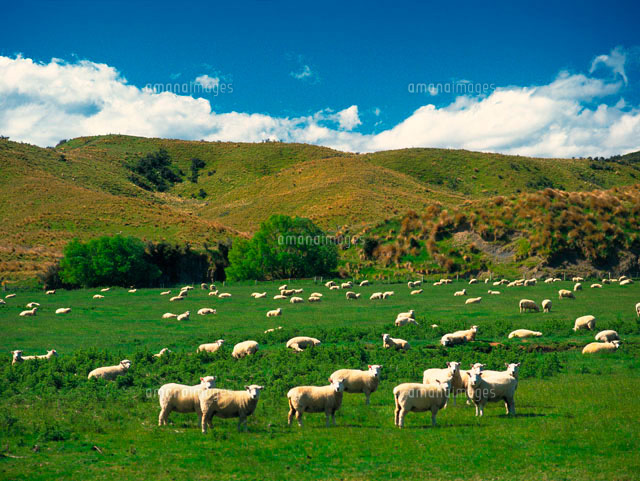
{"x":155,"y":171}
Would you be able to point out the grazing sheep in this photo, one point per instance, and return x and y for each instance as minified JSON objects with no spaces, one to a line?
{"x":212,"y":287}
{"x":184,"y":316}
{"x":473,"y":281}
{"x":585,"y":322}
{"x":546,"y":305}
{"x":279,"y":297}
{"x":411,"y":313}
{"x":473,"y":300}
{"x":287,"y":292}
{"x":245,"y":348}
{"x":16,"y":357}
{"x":203,"y":286}
{"x":364,"y":283}
{"x":229,"y":404}
{"x":376,"y":295}
{"x":206,"y":310}
{"x":186,"y":288}
{"x":169,"y":315}
{"x":51,"y":292}
{"x":296,"y":300}
{"x":403,"y":321}
{"x":523,"y":333}
{"x":63,"y":310}
{"x":595,"y":347}
{"x":549,"y":280}
{"x":163,"y":351}
{"x":273,"y":329}
{"x":300,"y":343}
{"x":451,"y":372}
{"x":391,"y":342}
{"x":213,"y":293}
{"x":316,"y":294}
{"x":31,"y":312}
{"x":182,"y":398}
{"x":387,"y":294}
{"x":463,"y":292}
{"x":410,"y":285}
{"x":607,"y":336}
{"x":275,"y":312}
{"x":417,"y":291}
{"x":329,"y":284}
{"x":638,"y":309}
{"x":224,"y":295}
{"x":259,"y":295}
{"x":315,"y":299}
{"x":459,"y":337}
{"x":109,"y":373}
{"x":528,"y":305}
{"x":357,"y":381}
{"x":483,"y":388}
{"x":334,"y":288}
{"x":417,"y":283}
{"x":2,"y":301}
{"x":577,"y":287}
{"x":22,"y":358}
{"x":9,"y":296}
{"x":420,"y":398}
{"x":438,"y":283}
{"x":596,"y":286}
{"x":557,"y":279}
{"x":565,"y":294}
{"x":530,"y":282}
{"x":298,"y":291}
{"x":606,"y":281}
{"x":346,"y":285}
{"x":577,"y":279}
{"x":133,"y":291}
{"x":211,"y":346}
{"x":31,"y":305}
{"x":493,"y":293}
{"x":105,"y":289}
{"x":176,"y":298}
{"x":98,"y":296}
{"x":315,"y":399}
{"x":625,"y":282}
{"x":352,"y":295}
{"x":282,"y":287}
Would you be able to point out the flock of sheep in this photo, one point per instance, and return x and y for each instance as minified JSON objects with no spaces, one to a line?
{"x":480,"y":385}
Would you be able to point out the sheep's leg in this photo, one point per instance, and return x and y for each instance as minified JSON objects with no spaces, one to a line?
{"x":401,"y":415}
{"x":205,"y":419}
{"x":327,"y":414}
{"x":396,"y":417}
{"x":242,"y":421}
{"x":164,"y":415}
{"x":299,"y":417}
{"x":512,"y":407}
{"x":433,"y":417}
{"x":292,"y":412}
{"x":367,"y":395}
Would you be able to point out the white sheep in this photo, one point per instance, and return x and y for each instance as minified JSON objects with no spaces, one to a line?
{"x":352,"y":295}
{"x":483,"y":388}
{"x":63,"y":310}
{"x":2,"y":302}
{"x":548,"y":280}
{"x":21,"y":358}
{"x":459,"y":337}
{"x":315,"y":299}
{"x":417,"y":291}
{"x":205,"y":311}
{"x":334,"y":288}
{"x":16,"y":357}
{"x":606,"y":281}
{"x":463,"y":292}
{"x":577,"y":279}
{"x":415,"y":397}
{"x":452,"y":372}
{"x":298,"y":291}
{"x":176,"y":298}
{"x":226,"y":404}
{"x":203,"y":286}
{"x":212,"y":287}
{"x":410,"y":285}
{"x":577,"y":287}
{"x":31,"y":305}
{"x":224,"y":295}
{"x":493,"y":293}
{"x":259,"y":295}
{"x":275,"y":312}
{"x":403,"y":321}
{"x":165,"y":293}
{"x":169,"y":315}
{"x":596,"y":347}
{"x":213,"y":293}
{"x":132,"y":291}
{"x":585,"y":322}
{"x":51,"y":292}
{"x":346,"y":285}
{"x":184,"y":316}
{"x":391,"y":342}
{"x":528,"y":305}
{"x":523,"y":333}
{"x":358,"y":381}
{"x":473,"y":281}
{"x":243,"y":349}
{"x":316,"y":294}
{"x":364,"y":283}
{"x":596,"y":286}
{"x":109,"y":373}
{"x":316,"y":399}
{"x":387,"y":294}
{"x":105,"y":289}
{"x":210,"y":346}
{"x":546,"y":305}
{"x":282,"y":287}
{"x":376,"y":295}
{"x":30,"y":312}
{"x":98,"y":296}
{"x":9,"y":296}
{"x":300,"y":343}
{"x":530,"y":282}
{"x":182,"y":398}
{"x":278,"y":297}
{"x":410,"y":313}
{"x":287,"y":292}
{"x":638,"y":309}
{"x":329,"y":284}
{"x":625,"y":282}
{"x":473,"y":300}
{"x":296,"y":300}
{"x":163,"y":351}
{"x":607,"y":336}
{"x":565,"y":294}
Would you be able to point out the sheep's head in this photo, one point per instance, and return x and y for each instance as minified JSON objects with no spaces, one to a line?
{"x":338,"y":384}
{"x":125,"y":363}
{"x":477,"y":367}
{"x":254,"y":391}
{"x":52,"y":352}
{"x":208,"y":381}
{"x":454,"y":367}
{"x":474,"y":328}
{"x":16,"y":354}
{"x":375,"y":369}
{"x":475,"y":379}
{"x":446,"y":340}
{"x":385,"y":337}
{"x":616,"y":344}
{"x":220,"y":342}
{"x":513,"y":368}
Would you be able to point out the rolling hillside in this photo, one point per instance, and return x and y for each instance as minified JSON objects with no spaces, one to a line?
{"x":82,"y":188}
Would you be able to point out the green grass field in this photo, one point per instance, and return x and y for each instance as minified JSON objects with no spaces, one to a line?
{"x":577,"y":415}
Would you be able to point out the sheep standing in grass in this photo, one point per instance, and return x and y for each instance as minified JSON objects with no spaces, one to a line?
{"x":352,"y":295}
{"x":607,"y":336}
{"x":638,"y":309}
{"x":224,"y":295}
{"x":63,"y":310}
{"x":2,"y":302}
{"x":133,"y":291}
{"x":420,"y":398}
{"x":565,"y":294}
{"x":364,"y":283}
{"x":163,"y":351}
{"x":473,"y":300}
{"x":169,"y":315}
{"x":389,"y":342}
{"x":98,"y":296}
{"x":417,"y":291}
{"x":585,"y":322}
{"x":328,"y":284}
{"x":375,"y":295}
{"x":226,"y":404}
{"x":213,"y":293}
{"x":577,"y":287}
{"x":31,"y":305}
{"x":176,"y":298}
{"x":211,"y":346}
{"x":245,"y":348}
{"x":275,"y":312}
{"x":182,"y":398}
{"x":205,"y":311}
{"x":387,"y":294}
{"x":300,"y":343}
{"x":596,"y":347}
{"x":546,"y":305}
{"x":51,"y":292}
{"x":528,"y":305}
{"x":452,"y":372}
{"x":30,"y":312}
{"x":109,"y":373}
{"x":316,"y":399}
{"x":473,"y":281}
{"x":315,"y":299}
{"x":259,"y":295}
{"x":184,"y":316}
{"x":9,"y":296}
{"x":524,"y":333}
{"x":296,"y":300}
{"x":625,"y":282}
{"x":357,"y":381}
{"x":316,"y":294}
{"x":493,"y":293}
{"x":485,"y":388}
{"x":459,"y":337}
{"x":346,"y":285}
{"x":463,"y":292}
{"x":279,"y":297}
{"x":403,"y":321}
{"x":596,"y":286}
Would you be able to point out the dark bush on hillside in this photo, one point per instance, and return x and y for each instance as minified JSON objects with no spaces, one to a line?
{"x":155,"y":171}
{"x":196,"y":165}
{"x":283,"y":247}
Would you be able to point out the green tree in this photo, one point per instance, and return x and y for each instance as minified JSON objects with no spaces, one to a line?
{"x":283,"y":247}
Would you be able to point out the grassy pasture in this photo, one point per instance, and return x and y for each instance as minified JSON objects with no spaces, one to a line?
{"x":577,"y":416}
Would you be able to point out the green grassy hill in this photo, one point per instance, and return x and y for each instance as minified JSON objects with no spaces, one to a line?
{"x":82,"y":188}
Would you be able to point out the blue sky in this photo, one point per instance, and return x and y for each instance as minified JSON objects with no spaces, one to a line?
{"x":284,"y":61}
